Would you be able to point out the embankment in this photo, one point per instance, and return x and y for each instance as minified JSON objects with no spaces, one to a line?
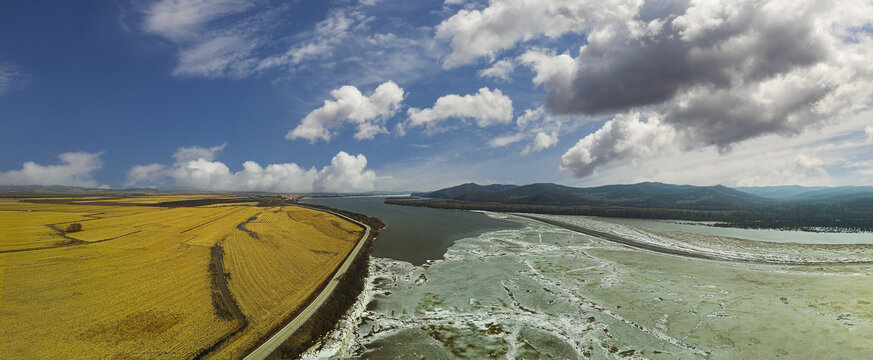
{"x":722,"y":248}
{"x":344,"y":296}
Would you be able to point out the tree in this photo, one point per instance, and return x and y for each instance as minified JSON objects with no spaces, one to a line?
{"x":74,"y":227}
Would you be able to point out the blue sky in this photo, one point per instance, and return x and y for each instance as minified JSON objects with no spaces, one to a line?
{"x":401,"y":95}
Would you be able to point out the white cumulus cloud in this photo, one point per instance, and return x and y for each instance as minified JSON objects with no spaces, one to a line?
{"x":869,"y":132}
{"x":504,"y":23}
{"x":75,"y":169}
{"x":627,"y":136}
{"x":541,"y":141}
{"x":554,"y":72}
{"x":486,"y":107}
{"x":500,"y":70}
{"x":350,"y":106}
{"x":145,"y":175}
{"x":345,"y":173}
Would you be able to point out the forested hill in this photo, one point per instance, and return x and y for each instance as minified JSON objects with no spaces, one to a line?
{"x":643,"y":195}
{"x":789,"y":207}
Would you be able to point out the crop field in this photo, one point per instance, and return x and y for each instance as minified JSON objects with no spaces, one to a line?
{"x":271,"y":276}
{"x":146,"y":281}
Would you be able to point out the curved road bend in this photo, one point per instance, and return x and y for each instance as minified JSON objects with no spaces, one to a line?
{"x":273,"y":343}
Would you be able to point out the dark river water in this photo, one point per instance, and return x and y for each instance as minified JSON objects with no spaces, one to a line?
{"x":416,"y":234}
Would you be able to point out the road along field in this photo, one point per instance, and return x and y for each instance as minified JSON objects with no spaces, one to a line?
{"x":147,"y":281}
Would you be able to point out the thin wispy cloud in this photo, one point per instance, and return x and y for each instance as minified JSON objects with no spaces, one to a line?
{"x":240,"y":38}
{"x":185,"y":20}
{"x":10,"y":78}
{"x":214,"y":38}
{"x":339,"y":26}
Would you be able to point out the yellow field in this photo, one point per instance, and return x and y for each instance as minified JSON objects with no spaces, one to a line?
{"x":143,"y":282}
{"x":271,"y":276}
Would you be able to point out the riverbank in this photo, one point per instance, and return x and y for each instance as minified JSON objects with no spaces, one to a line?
{"x":343,"y":297}
{"x":805,"y":219}
{"x":714,"y":247}
{"x":543,"y":290}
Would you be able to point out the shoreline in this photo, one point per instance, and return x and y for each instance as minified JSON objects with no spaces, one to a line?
{"x":342,"y":340}
{"x":331,"y":312}
{"x":541,"y":290}
{"x":707,"y":246}
{"x":740,"y":219}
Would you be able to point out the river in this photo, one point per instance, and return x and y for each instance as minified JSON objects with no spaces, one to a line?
{"x":416,"y":235}
{"x":532,"y":290}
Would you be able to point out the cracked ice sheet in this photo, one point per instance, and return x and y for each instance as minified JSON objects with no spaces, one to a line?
{"x":545,"y":291}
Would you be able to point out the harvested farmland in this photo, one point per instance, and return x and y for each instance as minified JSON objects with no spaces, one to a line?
{"x":271,"y":277}
{"x":144,"y":280}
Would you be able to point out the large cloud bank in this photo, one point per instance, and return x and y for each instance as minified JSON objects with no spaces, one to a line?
{"x":196,"y":168}
{"x":75,"y":169}
{"x":350,"y":106}
{"x":712,"y":73}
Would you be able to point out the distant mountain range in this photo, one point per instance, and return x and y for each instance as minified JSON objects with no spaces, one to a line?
{"x":647,"y":194}
{"x":771,"y":207}
{"x":801,"y":193}
{"x":644,"y":195}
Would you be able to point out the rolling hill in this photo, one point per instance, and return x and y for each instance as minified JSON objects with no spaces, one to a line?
{"x":642,"y":195}
{"x":800,"y":193}
{"x":784,"y":207}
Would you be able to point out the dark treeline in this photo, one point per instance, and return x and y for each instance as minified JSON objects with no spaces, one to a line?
{"x":838,"y":217}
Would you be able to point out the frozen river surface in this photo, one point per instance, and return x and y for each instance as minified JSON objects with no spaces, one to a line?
{"x":546,"y":292}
